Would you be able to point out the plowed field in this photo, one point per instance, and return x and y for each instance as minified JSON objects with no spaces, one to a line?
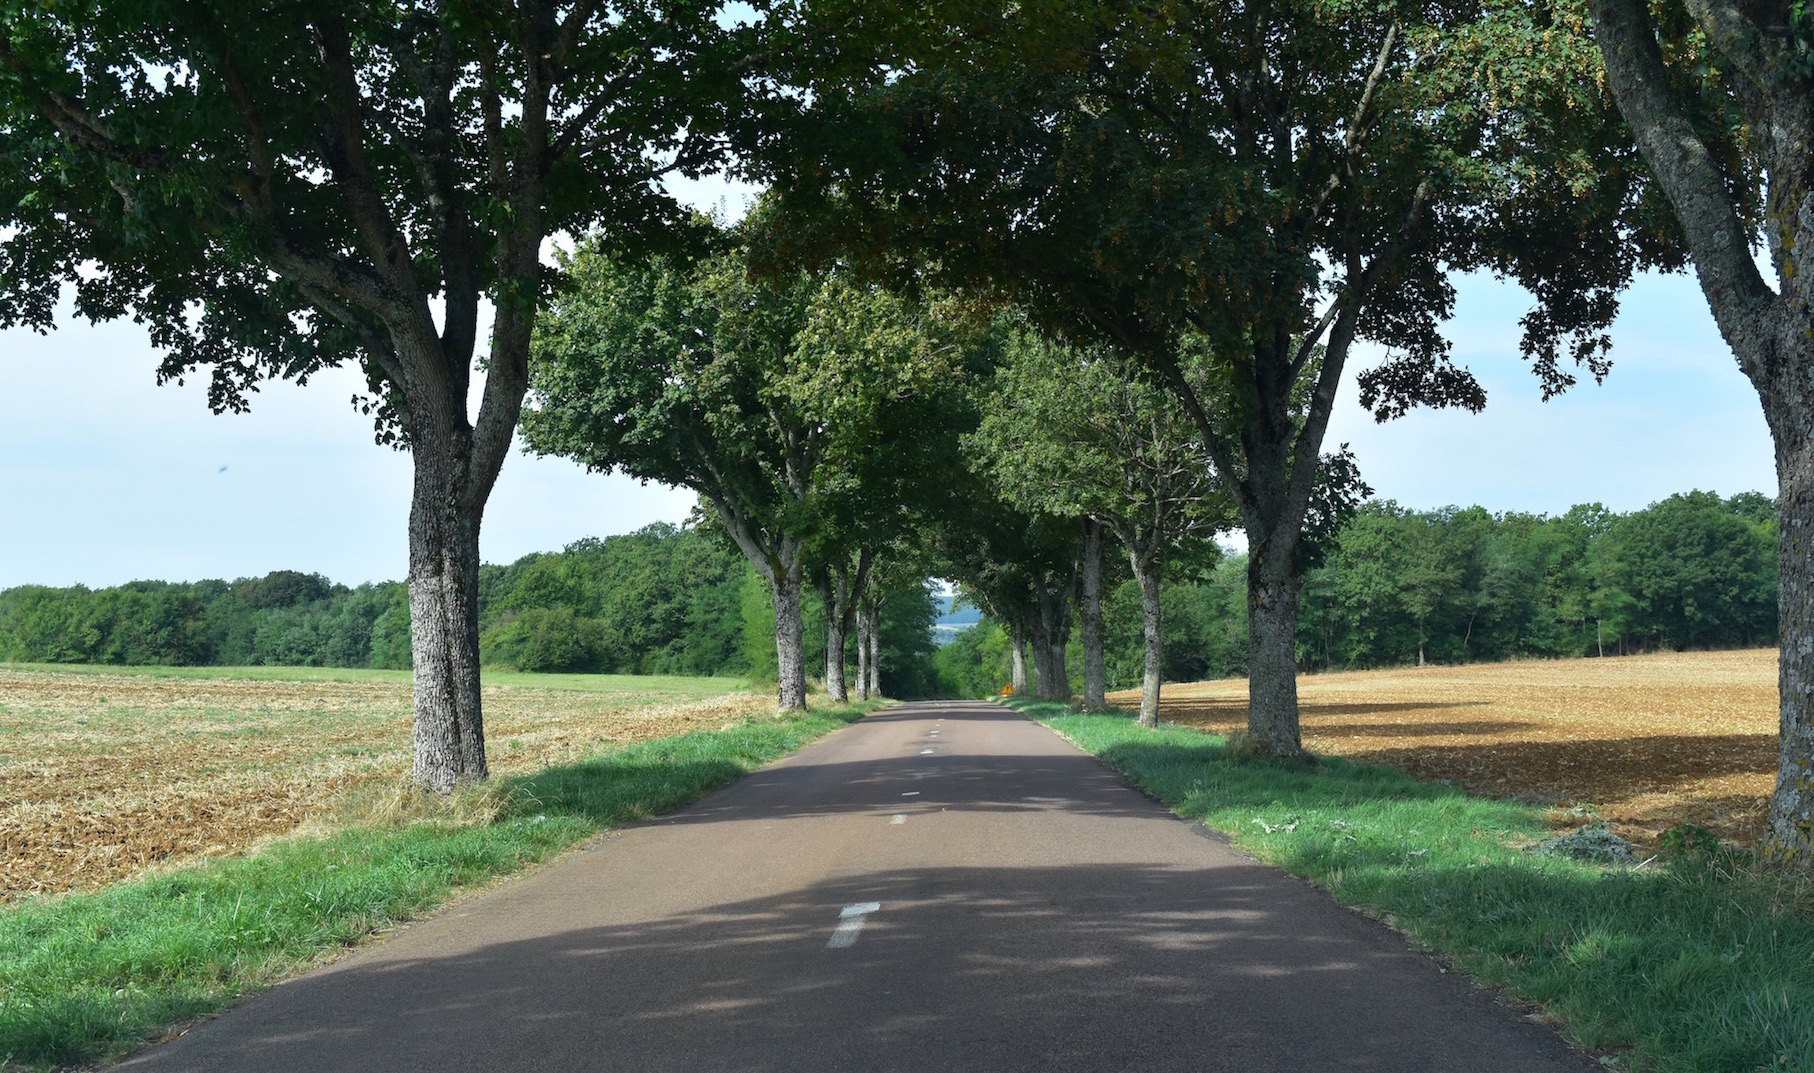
{"x":104,"y":775}
{"x":1645,"y":741}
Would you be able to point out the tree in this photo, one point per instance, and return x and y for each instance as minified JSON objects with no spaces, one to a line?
{"x":1267,"y":185}
{"x":1719,"y":98}
{"x":279,"y":187}
{"x":758,"y":396}
{"x":1073,"y":434}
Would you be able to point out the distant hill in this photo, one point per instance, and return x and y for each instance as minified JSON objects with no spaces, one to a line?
{"x":953,"y":619}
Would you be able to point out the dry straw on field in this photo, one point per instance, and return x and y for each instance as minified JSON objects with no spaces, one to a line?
{"x":1646,"y":741}
{"x":102,"y":776}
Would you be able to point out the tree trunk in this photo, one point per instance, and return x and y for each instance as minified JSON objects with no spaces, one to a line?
{"x":875,"y":650}
{"x":1155,"y":645}
{"x":1095,"y":676}
{"x":1051,"y":629}
{"x":862,"y":652}
{"x":837,"y":616}
{"x":1791,"y":836}
{"x":1042,"y":666}
{"x":1770,"y":330}
{"x":1017,"y":663}
{"x":444,"y":612}
{"x":790,"y":640}
{"x":1272,"y":685}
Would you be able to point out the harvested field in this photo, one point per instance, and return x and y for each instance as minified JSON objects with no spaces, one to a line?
{"x":1645,"y":741}
{"x":104,"y":775}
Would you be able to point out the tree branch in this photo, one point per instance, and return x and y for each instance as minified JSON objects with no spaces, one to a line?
{"x":1679,"y":160}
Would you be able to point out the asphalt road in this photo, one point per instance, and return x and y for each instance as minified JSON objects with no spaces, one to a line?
{"x":941,"y":888}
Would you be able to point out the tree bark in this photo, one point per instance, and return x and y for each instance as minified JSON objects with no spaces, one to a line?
{"x":1042,"y":666}
{"x":1155,"y":644}
{"x":1272,"y":685}
{"x":1095,"y":676}
{"x":862,"y":652}
{"x":1770,"y":332}
{"x":875,"y":649}
{"x":837,"y":616}
{"x":790,"y":640}
{"x":1017,"y":663}
{"x":444,"y":614}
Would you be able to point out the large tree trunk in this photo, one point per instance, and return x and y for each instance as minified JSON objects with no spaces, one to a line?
{"x":1272,"y":684}
{"x":875,"y":649}
{"x":1017,"y":663}
{"x":1095,"y":676}
{"x":790,"y":640}
{"x":1770,"y":330}
{"x":862,"y":652}
{"x":837,"y":616}
{"x":1042,"y":666}
{"x":1791,"y":834}
{"x":1155,"y":650}
{"x":444,"y":611}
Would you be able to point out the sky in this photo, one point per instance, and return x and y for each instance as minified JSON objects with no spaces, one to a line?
{"x":111,"y":478}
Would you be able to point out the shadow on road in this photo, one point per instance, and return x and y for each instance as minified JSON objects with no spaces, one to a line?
{"x":1080,"y":968}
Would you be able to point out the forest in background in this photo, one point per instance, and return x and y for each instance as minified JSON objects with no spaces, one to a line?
{"x":1458,"y":585}
{"x":1454,"y":585}
{"x":661,"y":600}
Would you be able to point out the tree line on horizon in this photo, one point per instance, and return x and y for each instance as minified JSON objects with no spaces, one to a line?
{"x":1456,"y":585}
{"x":1397,"y":586}
{"x":664,"y":599}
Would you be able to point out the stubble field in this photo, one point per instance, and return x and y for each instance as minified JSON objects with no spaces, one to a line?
{"x":104,"y":775}
{"x":1644,"y":742}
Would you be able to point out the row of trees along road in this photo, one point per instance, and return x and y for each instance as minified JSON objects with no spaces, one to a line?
{"x":1456,"y":585}
{"x":1280,"y":182}
{"x":807,"y":411}
{"x":1230,"y":196}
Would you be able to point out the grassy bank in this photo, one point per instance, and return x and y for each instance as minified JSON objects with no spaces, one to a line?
{"x":1698,"y":961}
{"x":88,"y":975}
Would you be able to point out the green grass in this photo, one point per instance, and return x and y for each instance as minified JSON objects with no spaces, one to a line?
{"x":1697,"y":964}
{"x":673,"y":684}
{"x":88,"y":976}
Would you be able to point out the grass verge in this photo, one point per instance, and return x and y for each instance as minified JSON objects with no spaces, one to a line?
{"x":88,"y":976}
{"x":1701,"y":963}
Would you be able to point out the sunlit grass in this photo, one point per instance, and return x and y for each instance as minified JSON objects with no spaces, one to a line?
{"x":1694,"y":966}
{"x":84,"y":976}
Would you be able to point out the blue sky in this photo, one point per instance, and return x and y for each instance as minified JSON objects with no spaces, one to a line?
{"x":109,"y":478}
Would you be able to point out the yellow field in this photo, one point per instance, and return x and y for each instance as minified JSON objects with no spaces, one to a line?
{"x":1647,"y":741}
{"x":103,"y":775}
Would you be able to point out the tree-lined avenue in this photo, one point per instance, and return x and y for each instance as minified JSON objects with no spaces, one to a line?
{"x":939,"y":887}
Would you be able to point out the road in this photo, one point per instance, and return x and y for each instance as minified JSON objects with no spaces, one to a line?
{"x":939,"y":888}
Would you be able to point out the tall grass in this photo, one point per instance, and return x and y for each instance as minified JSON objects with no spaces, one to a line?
{"x":87,"y":976}
{"x":1699,"y":963}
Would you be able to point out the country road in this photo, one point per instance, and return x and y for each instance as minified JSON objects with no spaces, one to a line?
{"x":940,"y":888}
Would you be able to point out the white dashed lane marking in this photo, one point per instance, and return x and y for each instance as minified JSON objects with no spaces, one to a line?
{"x":850,"y":924}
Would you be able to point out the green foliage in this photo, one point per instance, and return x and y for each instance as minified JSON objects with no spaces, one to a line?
{"x":1463,"y":585}
{"x":975,"y":663}
{"x":90,"y":975}
{"x":1691,"y":571}
{"x":1683,"y":969}
{"x":286,"y":618}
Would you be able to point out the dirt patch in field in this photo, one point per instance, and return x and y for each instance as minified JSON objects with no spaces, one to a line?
{"x":103,"y":776}
{"x":1647,"y":741}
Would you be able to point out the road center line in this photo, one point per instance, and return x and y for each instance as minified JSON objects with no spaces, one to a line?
{"x":910,"y":793}
{"x":850,"y":923}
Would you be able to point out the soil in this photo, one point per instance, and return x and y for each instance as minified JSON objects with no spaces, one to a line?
{"x":105,"y":776}
{"x":1643,"y":742}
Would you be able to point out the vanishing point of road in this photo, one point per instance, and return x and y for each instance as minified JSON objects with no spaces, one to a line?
{"x":939,"y":888}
